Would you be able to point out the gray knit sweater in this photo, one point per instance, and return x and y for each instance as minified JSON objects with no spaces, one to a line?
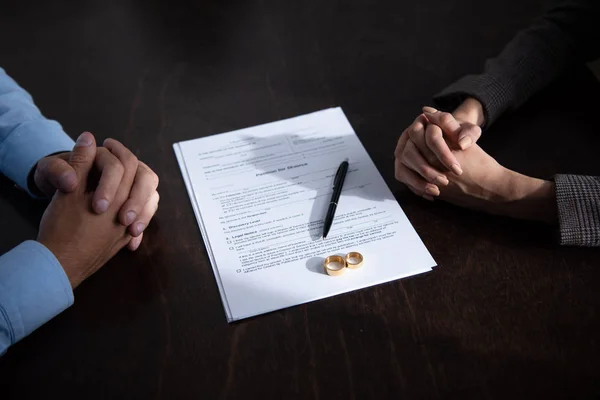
{"x":566,"y":34}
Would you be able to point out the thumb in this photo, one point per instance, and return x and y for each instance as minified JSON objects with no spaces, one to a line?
{"x":82,"y":157}
{"x":54,"y":173}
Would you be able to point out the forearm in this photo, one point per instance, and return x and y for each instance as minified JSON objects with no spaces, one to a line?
{"x":529,"y":198}
{"x":470,"y":110}
{"x":33,"y":289}
{"x":570,"y":201}
{"x":25,"y":135}
{"x":565,"y":35}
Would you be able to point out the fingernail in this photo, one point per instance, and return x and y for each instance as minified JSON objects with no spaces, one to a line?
{"x":434,"y":191}
{"x":84,"y":140}
{"x":442,"y":180}
{"x":465,"y":142}
{"x":130,"y":217}
{"x":430,"y":110}
{"x":456,"y":169}
{"x":139,"y":228}
{"x":101,"y":205}
{"x":428,"y":197}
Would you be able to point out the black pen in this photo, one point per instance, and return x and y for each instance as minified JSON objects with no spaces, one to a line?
{"x":338,"y":182}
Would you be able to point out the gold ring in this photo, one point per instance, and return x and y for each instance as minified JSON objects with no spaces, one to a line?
{"x":354,"y":260}
{"x":334,"y":265}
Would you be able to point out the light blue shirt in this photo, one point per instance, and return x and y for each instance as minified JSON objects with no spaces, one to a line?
{"x":33,"y":286}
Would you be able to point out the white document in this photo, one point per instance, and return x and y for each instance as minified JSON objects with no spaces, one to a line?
{"x":260,"y":196}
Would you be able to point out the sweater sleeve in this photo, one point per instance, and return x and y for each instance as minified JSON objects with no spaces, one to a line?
{"x":565,"y":35}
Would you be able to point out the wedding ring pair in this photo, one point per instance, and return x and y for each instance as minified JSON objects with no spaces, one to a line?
{"x":336,"y":265}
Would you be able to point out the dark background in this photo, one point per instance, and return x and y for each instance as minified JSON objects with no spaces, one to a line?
{"x":508,"y":313}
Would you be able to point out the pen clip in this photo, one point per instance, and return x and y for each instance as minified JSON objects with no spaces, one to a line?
{"x":337,"y":176}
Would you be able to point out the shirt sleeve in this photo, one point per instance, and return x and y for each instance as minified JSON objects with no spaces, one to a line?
{"x":566,"y":35}
{"x":26,"y":136}
{"x":578,"y":204}
{"x":33,"y":289}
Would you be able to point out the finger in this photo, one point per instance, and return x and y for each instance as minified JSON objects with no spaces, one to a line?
{"x":416,"y":132}
{"x":82,"y":157}
{"x":129,"y":161}
{"x":445,"y":121}
{"x":401,"y":143}
{"x":414,"y":160}
{"x":54,"y":173}
{"x":111,"y":172}
{"x":135,"y":242}
{"x":144,"y":186}
{"x":411,"y":132}
{"x":468,"y":136}
{"x":435,"y":141}
{"x":145,"y":216}
{"x":415,"y":183}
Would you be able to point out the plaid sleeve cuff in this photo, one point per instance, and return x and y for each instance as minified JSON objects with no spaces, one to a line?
{"x":578,"y":202}
{"x":489,"y":91}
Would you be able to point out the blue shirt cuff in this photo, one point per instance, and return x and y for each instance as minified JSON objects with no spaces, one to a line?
{"x":33,"y":289}
{"x":27,"y":144}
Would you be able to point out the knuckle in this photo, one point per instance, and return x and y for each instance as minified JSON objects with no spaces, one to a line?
{"x":148,"y":175}
{"x":433,"y":131}
{"x":446,"y":118}
{"x":109,"y":142}
{"x":130,"y":160}
{"x":424,"y":170}
{"x":437,"y":135}
{"x":415,"y":133}
{"x":399,"y":175}
{"x":432,"y":138}
{"x":77,"y":158}
{"x":410,"y":149}
{"x":157,"y":201}
{"x":400,"y":146}
{"x":405,"y":155}
{"x":118,"y":168}
{"x":102,"y":151}
{"x":50,"y":162}
{"x":430,"y":174}
{"x":43,"y":165}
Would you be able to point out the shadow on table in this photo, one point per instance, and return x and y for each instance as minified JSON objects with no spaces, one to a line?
{"x":439,"y":218}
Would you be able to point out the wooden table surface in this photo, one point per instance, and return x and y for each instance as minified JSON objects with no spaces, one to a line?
{"x":507,"y":314}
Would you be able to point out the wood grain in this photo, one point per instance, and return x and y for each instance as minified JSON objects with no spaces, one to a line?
{"x":507,"y":314}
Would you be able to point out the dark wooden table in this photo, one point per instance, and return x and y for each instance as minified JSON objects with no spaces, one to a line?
{"x":507,"y":314}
